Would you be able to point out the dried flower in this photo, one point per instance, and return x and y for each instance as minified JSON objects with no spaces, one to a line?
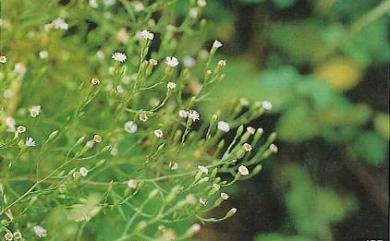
{"x":223,"y":126}
{"x":171,"y":61}
{"x":130,"y":127}
{"x":143,"y":117}
{"x":83,"y":171}
{"x":8,"y":236}
{"x":158,"y":133}
{"x":3,"y":59}
{"x":20,"y":129}
{"x":120,"y":57}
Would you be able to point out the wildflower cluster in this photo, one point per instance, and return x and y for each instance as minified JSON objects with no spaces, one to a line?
{"x":107,"y":140}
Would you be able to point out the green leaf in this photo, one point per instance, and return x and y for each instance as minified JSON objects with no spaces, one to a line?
{"x":298,"y":124}
{"x":371,"y":147}
{"x":281,"y":237}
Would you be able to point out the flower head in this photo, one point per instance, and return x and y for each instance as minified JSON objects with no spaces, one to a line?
{"x":217,"y":44}
{"x":145,"y":35}
{"x":203,"y":169}
{"x":223,"y":126}
{"x":130,"y":127}
{"x":3,"y":59}
{"x":158,"y":133}
{"x":59,"y":23}
{"x":243,"y":170}
{"x":183,"y":113}
{"x":171,"y":85}
{"x":30,"y":142}
{"x":194,"y":115}
{"x":40,"y":231}
{"x":171,"y":61}
{"x":266,"y":105}
{"x":247,"y":147}
{"x":83,"y":171}
{"x":120,"y":57}
{"x":35,"y":111}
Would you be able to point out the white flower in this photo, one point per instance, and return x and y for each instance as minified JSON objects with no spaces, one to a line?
{"x":171,"y":61}
{"x":8,"y":236}
{"x":273,"y":148}
{"x":43,"y":54}
{"x":190,"y":199}
{"x":194,"y":115}
{"x":196,"y":227}
{"x":3,"y":59}
{"x":222,"y":63}
{"x":138,"y":6}
{"x":173,"y":165}
{"x":20,"y":68}
{"x":17,"y":235}
{"x":143,"y":117}
{"x":193,"y":13}
{"x":153,"y":62}
{"x":266,"y":105}
{"x":30,"y":142}
{"x":83,"y":171}
{"x":203,"y":169}
{"x":130,"y":127}
{"x":158,"y":133}
{"x":100,"y":55}
{"x":145,"y":35}
{"x":189,"y":62}
{"x":97,"y":138}
{"x":10,"y":123}
{"x":120,"y":57}
{"x":95,"y":81}
{"x":243,"y":170}
{"x":119,"y":89}
{"x":132,"y":184}
{"x":171,"y":85}
{"x":247,"y":147}
{"x":21,"y":129}
{"x":90,"y":144}
{"x":59,"y":23}
{"x":35,"y":111}
{"x":122,"y":35}
{"x":109,"y":2}
{"x":183,"y":113}
{"x":40,"y":231}
{"x":224,"y":196}
{"x":223,"y":126}
{"x":203,"y":201}
{"x":217,"y":44}
{"x":93,"y":4}
{"x":201,"y":3}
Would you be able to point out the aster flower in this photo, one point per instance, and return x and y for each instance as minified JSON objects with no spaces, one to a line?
{"x":171,"y":61}
{"x":35,"y":111}
{"x":130,"y":127}
{"x":30,"y":142}
{"x":120,"y":57}
{"x":40,"y":231}
{"x":194,"y":115}
{"x":171,"y":85}
{"x":217,"y":44}
{"x":243,"y":170}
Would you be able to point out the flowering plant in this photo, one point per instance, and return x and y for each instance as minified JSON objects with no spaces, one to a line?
{"x":100,"y":134}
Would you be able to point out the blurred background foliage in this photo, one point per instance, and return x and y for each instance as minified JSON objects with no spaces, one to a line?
{"x":324,"y":66}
